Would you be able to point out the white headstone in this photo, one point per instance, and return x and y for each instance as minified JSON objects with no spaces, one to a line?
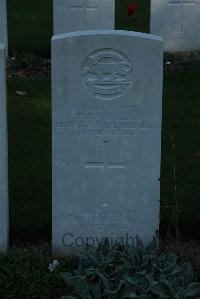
{"x":75,"y":15}
{"x":107,"y":107}
{"x":3,"y":154}
{"x":3,"y":22}
{"x":178,"y":21}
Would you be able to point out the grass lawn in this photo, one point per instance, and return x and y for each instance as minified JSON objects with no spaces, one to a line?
{"x":24,"y":275}
{"x":139,"y":22}
{"x":30,"y":23}
{"x":30,"y":155}
{"x":30,"y":26}
{"x":181,"y":148}
{"x":30,"y":159}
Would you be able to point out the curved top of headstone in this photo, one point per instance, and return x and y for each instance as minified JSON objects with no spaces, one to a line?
{"x":108,"y":32}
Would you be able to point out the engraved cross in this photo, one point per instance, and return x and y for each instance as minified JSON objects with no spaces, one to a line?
{"x":83,"y":5}
{"x":105,"y":166}
{"x":182,"y":5}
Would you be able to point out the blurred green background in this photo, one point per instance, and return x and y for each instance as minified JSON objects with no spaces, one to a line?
{"x":30,"y":23}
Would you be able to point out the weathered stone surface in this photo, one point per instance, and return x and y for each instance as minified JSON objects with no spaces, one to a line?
{"x":75,"y":15}
{"x":3,"y":154}
{"x":3,"y":22}
{"x":107,"y":107}
{"x":178,"y":22}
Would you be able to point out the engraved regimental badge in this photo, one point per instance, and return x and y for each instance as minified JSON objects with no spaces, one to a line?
{"x":106,"y":74}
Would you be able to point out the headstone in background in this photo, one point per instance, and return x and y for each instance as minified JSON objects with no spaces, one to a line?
{"x":3,"y":22}
{"x":178,"y":22}
{"x":3,"y":153}
{"x":75,"y":15}
{"x":107,"y":109}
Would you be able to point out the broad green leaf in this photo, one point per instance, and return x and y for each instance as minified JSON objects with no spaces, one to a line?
{"x":81,"y":288}
{"x":188,"y":273}
{"x":68,"y":278}
{"x":95,"y":290}
{"x":148,"y":296}
{"x":128,"y":291}
{"x":150,"y":279}
{"x":145,"y":284}
{"x":81,"y":265}
{"x":142,"y":272}
{"x":177,"y":271}
{"x":122,"y":272}
{"x":93,"y":259}
{"x":110,"y":292}
{"x":192,"y":290}
{"x":139,"y":243}
{"x":170,"y":263}
{"x":154,"y":245}
{"x":157,"y":289}
{"x":131,"y":280}
{"x":145,"y":260}
{"x":104,"y":280}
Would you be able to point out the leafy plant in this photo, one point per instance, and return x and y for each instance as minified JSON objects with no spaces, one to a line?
{"x":123,"y":272}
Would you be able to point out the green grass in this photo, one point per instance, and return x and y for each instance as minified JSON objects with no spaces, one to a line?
{"x":30,"y":23}
{"x":24,"y":275}
{"x":30,"y":26}
{"x":30,"y":159}
{"x":138,"y":22}
{"x":181,"y":122}
{"x":30,"y":155}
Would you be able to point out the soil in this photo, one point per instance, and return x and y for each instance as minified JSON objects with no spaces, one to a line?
{"x":27,"y":65}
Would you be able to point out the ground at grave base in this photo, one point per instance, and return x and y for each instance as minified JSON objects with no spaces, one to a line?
{"x":29,"y":65}
{"x":25,"y":271}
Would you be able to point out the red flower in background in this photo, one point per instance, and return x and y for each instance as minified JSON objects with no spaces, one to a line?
{"x":132,"y":9}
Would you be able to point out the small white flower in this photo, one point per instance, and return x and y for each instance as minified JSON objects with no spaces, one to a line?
{"x":53,"y":266}
{"x":56,"y":263}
